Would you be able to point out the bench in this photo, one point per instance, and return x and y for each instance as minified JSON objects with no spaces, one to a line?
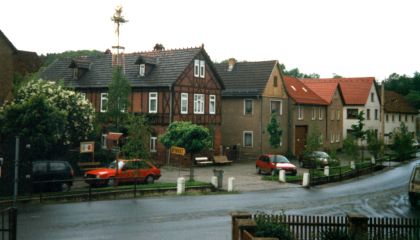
{"x":203,"y":161}
{"x":86,"y":166}
{"x":221,"y":160}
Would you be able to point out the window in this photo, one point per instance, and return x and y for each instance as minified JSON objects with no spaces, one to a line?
{"x":368,"y":114}
{"x":104,"y":102}
{"x":372,"y":97}
{"x":184,"y":103}
{"x":248,"y":138}
{"x":321,"y":113}
{"x":332,"y":114}
{"x":386,"y":117}
{"x":332,"y":137}
{"x":196,"y":68}
{"x":212,"y":104}
{"x":313,"y":113}
{"x":275,"y":81}
{"x":321,"y":139}
{"x":338,"y":115}
{"x":412,"y":118}
{"x":276,"y":107}
{"x":199,"y":103}
{"x":153,"y":102}
{"x":376,"y":114}
{"x":248,"y":106}
{"x":153,"y":141}
{"x":57,"y":166}
{"x":142,"y":69}
{"x":83,"y":95}
{"x":300,"y":113}
{"x":202,"y":68}
{"x":399,"y":117}
{"x":393,"y":118}
{"x":352,"y":113}
{"x":103,"y":141}
{"x":337,"y":139}
{"x":406,"y":117}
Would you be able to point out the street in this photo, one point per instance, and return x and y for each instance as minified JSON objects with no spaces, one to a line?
{"x":383,"y":194}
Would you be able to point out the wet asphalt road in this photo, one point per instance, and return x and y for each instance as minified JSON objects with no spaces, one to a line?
{"x":207,"y":217}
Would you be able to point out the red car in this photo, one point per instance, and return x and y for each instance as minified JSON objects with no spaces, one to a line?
{"x":272,"y":164}
{"x":128,"y":171}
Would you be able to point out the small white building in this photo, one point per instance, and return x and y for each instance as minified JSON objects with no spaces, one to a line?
{"x":398,"y":110}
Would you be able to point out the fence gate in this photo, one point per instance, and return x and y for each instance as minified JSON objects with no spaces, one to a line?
{"x":8,"y":224}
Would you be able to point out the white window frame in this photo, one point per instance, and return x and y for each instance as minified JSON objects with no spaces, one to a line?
{"x":212,"y":104}
{"x":142,"y":69}
{"x":202,"y":68}
{"x":153,"y":96}
{"x":104,"y":141}
{"x":252,"y":106}
{"x":199,"y":103}
{"x":280,"y":112}
{"x":153,"y":143}
{"x":83,"y":95}
{"x":300,"y":112}
{"x":184,"y":103}
{"x":313,"y":113}
{"x":252,"y":138}
{"x":332,"y":137}
{"x":196,"y":68}
{"x":104,"y":102}
{"x":337,"y":139}
{"x":320,"y":113}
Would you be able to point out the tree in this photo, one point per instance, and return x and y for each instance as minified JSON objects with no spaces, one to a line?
{"x":403,"y":142}
{"x":118,"y":90}
{"x":374,"y":144}
{"x":350,"y":147}
{"x":296,"y":73}
{"x":357,"y":130}
{"x":273,"y":128}
{"x":137,"y":142}
{"x":194,"y":138}
{"x":314,"y":141}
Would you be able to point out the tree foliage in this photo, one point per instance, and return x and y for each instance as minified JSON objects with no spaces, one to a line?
{"x":406,"y":86}
{"x":373,"y":143}
{"x":137,"y":142}
{"x":49,"y":58}
{"x":350,"y":147}
{"x":357,"y":129}
{"x":118,"y":91}
{"x":314,"y":141}
{"x":294,"y":72}
{"x":403,"y":142}
{"x":273,"y":128}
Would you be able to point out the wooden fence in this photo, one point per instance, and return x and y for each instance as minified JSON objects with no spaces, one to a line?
{"x":8,"y":224}
{"x":312,"y":227}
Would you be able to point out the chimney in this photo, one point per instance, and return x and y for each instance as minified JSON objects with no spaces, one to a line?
{"x":231,"y":64}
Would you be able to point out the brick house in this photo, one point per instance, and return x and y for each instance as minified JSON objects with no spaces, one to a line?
{"x":254,"y":90}
{"x":398,"y":110}
{"x":14,"y":61}
{"x":167,"y":86}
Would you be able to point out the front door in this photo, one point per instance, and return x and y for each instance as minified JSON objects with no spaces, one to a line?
{"x":300,"y":139}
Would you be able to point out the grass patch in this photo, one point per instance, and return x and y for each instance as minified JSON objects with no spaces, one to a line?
{"x":288,"y":178}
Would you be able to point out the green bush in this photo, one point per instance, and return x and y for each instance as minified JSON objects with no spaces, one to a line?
{"x":335,"y":234}
{"x":272,"y":229}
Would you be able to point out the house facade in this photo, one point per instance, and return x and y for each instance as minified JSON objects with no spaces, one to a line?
{"x":14,"y":61}
{"x":254,"y":91}
{"x":397,"y":111}
{"x":167,"y":86}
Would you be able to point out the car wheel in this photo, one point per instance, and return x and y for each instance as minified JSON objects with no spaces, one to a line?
{"x":150,"y":179}
{"x":65,"y":187}
{"x":111,"y":182}
{"x":258,"y":170}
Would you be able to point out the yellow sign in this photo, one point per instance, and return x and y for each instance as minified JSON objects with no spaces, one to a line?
{"x":178,"y":151}
{"x":87,"y":147}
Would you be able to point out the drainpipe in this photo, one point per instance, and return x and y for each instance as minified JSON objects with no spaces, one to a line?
{"x":326,"y":128}
{"x":261,"y":124}
{"x":290,"y":127}
{"x":168,"y":158}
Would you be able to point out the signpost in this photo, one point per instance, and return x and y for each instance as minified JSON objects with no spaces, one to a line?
{"x":88,"y":147}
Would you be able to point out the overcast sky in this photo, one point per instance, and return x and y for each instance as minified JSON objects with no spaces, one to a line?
{"x":350,"y":38}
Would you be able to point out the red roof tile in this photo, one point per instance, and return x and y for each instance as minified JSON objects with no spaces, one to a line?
{"x":396,"y":103}
{"x":323,"y":89}
{"x":301,"y":93}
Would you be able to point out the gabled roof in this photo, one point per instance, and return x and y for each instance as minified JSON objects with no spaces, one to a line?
{"x":246,"y":78}
{"x":396,"y":103}
{"x":170,"y":64}
{"x":2,"y":35}
{"x":324,"y":89}
{"x":301,"y":93}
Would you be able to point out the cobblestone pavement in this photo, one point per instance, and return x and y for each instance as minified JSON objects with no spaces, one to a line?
{"x":246,"y":178}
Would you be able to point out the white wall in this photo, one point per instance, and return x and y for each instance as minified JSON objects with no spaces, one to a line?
{"x":391,"y":125}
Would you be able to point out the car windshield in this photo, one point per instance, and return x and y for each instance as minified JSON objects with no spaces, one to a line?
{"x":278,"y":159}
{"x":416,"y":178}
{"x":112,"y":164}
{"x":321,"y":154}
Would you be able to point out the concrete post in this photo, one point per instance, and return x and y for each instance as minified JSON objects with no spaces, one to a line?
{"x":180,"y":187}
{"x":327,"y":171}
{"x":358,"y":226}
{"x":305,"y":181}
{"x":231,"y":180}
{"x":352,"y":165}
{"x":214,"y":181}
{"x":282,"y":176}
{"x":235,"y":217}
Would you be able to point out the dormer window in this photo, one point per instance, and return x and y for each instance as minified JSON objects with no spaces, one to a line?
{"x":202,"y":68}
{"x":142,"y":70}
{"x":199,"y":68}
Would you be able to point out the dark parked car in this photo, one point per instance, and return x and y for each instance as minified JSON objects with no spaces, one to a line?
{"x":52,"y":176}
{"x":414,"y":186}
{"x":315,"y":159}
{"x":272,"y":164}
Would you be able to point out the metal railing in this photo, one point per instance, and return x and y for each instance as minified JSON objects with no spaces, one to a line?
{"x":8,"y":229}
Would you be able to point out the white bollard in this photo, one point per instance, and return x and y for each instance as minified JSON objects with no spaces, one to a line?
{"x":214,"y":181}
{"x":327,"y":171}
{"x":231,"y":180}
{"x":305,"y":180}
{"x":282,"y":176}
{"x":372,"y":160}
{"x":352,"y":165}
{"x":180,"y":187}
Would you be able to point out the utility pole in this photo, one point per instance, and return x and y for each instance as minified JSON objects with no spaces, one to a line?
{"x":382,"y":134}
{"x":118,"y":19}
{"x":15,"y":189}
